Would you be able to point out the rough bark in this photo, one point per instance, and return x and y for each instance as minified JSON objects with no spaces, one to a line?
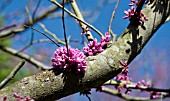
{"x":47,"y":86}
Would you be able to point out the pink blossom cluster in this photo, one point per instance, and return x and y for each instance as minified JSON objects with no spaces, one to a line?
{"x":133,"y":15}
{"x":123,"y":77}
{"x":18,"y":98}
{"x":69,"y":61}
{"x":95,"y":47}
{"x":154,"y":95}
{"x":21,"y":98}
{"x":142,"y":83}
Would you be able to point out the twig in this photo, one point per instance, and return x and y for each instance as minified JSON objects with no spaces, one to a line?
{"x":122,"y":95}
{"x":132,"y":85}
{"x":79,"y":15}
{"x":51,"y":34}
{"x":7,"y":27}
{"x":111,"y":19}
{"x":32,"y":31}
{"x":74,"y":16}
{"x":28,"y":58}
{"x":35,"y":10}
{"x":29,"y":15}
{"x":12,"y":74}
{"x":32,"y":43}
{"x":64,"y":28}
{"x":43,"y":34}
{"x":43,"y":15}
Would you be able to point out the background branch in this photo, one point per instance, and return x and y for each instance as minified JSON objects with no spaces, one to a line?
{"x":77,"y":18}
{"x":21,"y":28}
{"x":28,"y":58}
{"x":12,"y":74}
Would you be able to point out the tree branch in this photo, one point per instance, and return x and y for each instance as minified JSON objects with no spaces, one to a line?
{"x":132,"y":85}
{"x":21,"y":28}
{"x":12,"y":74}
{"x":123,"y":96}
{"x":28,"y":58}
{"x":47,"y":86}
{"x":79,"y":19}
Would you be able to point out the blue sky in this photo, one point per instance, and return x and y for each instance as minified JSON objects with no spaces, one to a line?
{"x":158,"y":43}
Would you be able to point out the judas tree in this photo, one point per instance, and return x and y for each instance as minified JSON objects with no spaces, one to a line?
{"x":101,"y":62}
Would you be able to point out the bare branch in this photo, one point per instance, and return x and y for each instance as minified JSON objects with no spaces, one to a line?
{"x":32,"y":43}
{"x":12,"y":74}
{"x":29,"y":59}
{"x":51,"y":34}
{"x":21,"y":28}
{"x":74,"y":16}
{"x":111,"y":19}
{"x":43,"y":34}
{"x":7,"y":27}
{"x":79,"y":15}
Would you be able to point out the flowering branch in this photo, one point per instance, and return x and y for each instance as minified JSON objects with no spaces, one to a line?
{"x":138,"y":85}
{"x":127,"y":97}
{"x":48,"y":86}
{"x":123,"y":96}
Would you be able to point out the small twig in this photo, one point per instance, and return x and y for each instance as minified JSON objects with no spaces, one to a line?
{"x":12,"y":74}
{"x":132,"y":85}
{"x":68,"y":39}
{"x":79,"y":15}
{"x":122,"y":95}
{"x":111,"y":19}
{"x":32,"y":31}
{"x":113,"y":15}
{"x":51,"y":34}
{"x":29,"y":15}
{"x":74,"y":16}
{"x":41,"y":16}
{"x":43,"y":34}
{"x":64,"y":28}
{"x":7,"y":27}
{"x":28,"y":58}
{"x":34,"y":42}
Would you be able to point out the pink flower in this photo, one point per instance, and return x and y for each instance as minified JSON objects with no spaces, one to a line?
{"x":130,"y":13}
{"x":133,"y":15}
{"x":21,"y":98}
{"x":132,"y":2}
{"x":95,"y":47}
{"x":72,"y":62}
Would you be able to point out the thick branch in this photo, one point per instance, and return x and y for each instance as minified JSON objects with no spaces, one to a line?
{"x":47,"y":86}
